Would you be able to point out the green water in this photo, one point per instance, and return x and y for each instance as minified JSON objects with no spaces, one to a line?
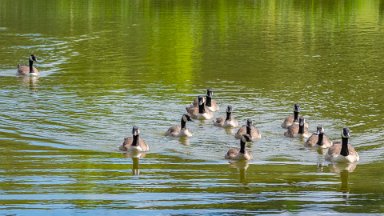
{"x":108,"y":65}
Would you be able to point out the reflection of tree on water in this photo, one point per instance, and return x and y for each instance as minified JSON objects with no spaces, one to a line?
{"x":242,"y":167}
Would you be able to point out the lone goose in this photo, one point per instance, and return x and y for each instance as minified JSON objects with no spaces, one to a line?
{"x":228,"y":121}
{"x":28,"y":70}
{"x":134,"y":143}
{"x":249,"y":129}
{"x":342,"y":151}
{"x":319,"y":139}
{"x":296,"y":130}
{"x":180,"y":130}
{"x":200,"y":112}
{"x":240,"y":154}
{"x":291,"y":119}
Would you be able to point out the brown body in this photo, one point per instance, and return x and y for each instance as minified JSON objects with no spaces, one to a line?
{"x":255,"y":133}
{"x":239,"y":153}
{"x":24,"y":70}
{"x":28,"y":70}
{"x":127,"y":144}
{"x":333,"y":153}
{"x":313,"y":139}
{"x":289,"y":121}
{"x":342,"y":151}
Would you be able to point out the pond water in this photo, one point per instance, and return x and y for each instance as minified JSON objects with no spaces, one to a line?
{"x":108,"y":65}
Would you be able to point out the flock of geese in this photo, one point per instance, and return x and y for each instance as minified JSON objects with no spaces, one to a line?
{"x":203,"y":107}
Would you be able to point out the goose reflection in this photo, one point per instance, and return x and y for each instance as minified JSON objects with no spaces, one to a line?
{"x":29,"y":81}
{"x":242,"y":167}
{"x":135,"y":161}
{"x":135,"y":166}
{"x":184,"y":140}
{"x":343,"y":170}
{"x":229,"y":130}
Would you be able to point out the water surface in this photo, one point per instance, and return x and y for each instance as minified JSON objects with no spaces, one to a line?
{"x":106,"y":66}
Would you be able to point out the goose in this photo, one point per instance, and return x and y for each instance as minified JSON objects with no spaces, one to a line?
{"x":228,"y":121}
{"x":249,"y":129}
{"x":242,"y":153}
{"x":134,"y":143}
{"x":200,"y":112}
{"x":194,"y":107}
{"x":180,"y":130}
{"x":28,"y":70}
{"x":319,"y":139}
{"x":342,"y":151}
{"x":291,"y":119}
{"x":299,"y":129}
{"x":210,"y":103}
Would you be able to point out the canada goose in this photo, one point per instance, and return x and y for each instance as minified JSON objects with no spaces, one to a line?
{"x":342,"y":151}
{"x":228,"y":121}
{"x":296,"y":130}
{"x":180,"y":130}
{"x":210,"y":103}
{"x":194,"y":107}
{"x":28,"y":70}
{"x":240,"y":154}
{"x":319,"y":139}
{"x":200,"y":112}
{"x":291,"y":119}
{"x":134,"y":143}
{"x":249,"y":129}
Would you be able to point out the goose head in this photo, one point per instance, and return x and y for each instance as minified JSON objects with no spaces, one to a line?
{"x":246,"y":138}
{"x":186,"y":118}
{"x":209,"y":92}
{"x":135,"y":131}
{"x":345,"y":133}
{"x":319,"y":129}
{"x":32,"y":58}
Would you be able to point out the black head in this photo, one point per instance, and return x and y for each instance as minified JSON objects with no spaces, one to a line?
{"x":229,"y":109}
{"x":200,"y":99}
{"x":187,"y":117}
{"x":249,"y":122}
{"x":301,"y":121}
{"x":135,"y":131}
{"x":33,"y":58}
{"x":345,"y":133}
{"x":296,"y":108}
{"x":209,"y":92}
{"x":320,"y":129}
{"x":246,"y":138}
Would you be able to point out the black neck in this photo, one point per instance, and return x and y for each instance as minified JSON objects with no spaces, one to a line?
{"x":242,"y":147}
{"x":201,"y":108}
{"x":183,"y":123}
{"x":301,"y":129}
{"x":30,"y":66}
{"x":209,"y":101}
{"x":135,"y":140}
{"x":344,"y":147}
{"x":248,"y":129}
{"x":228,"y":116}
{"x":295,"y":116}
{"x":320,"y":139}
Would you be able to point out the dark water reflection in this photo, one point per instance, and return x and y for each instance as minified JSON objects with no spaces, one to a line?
{"x":106,"y":66}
